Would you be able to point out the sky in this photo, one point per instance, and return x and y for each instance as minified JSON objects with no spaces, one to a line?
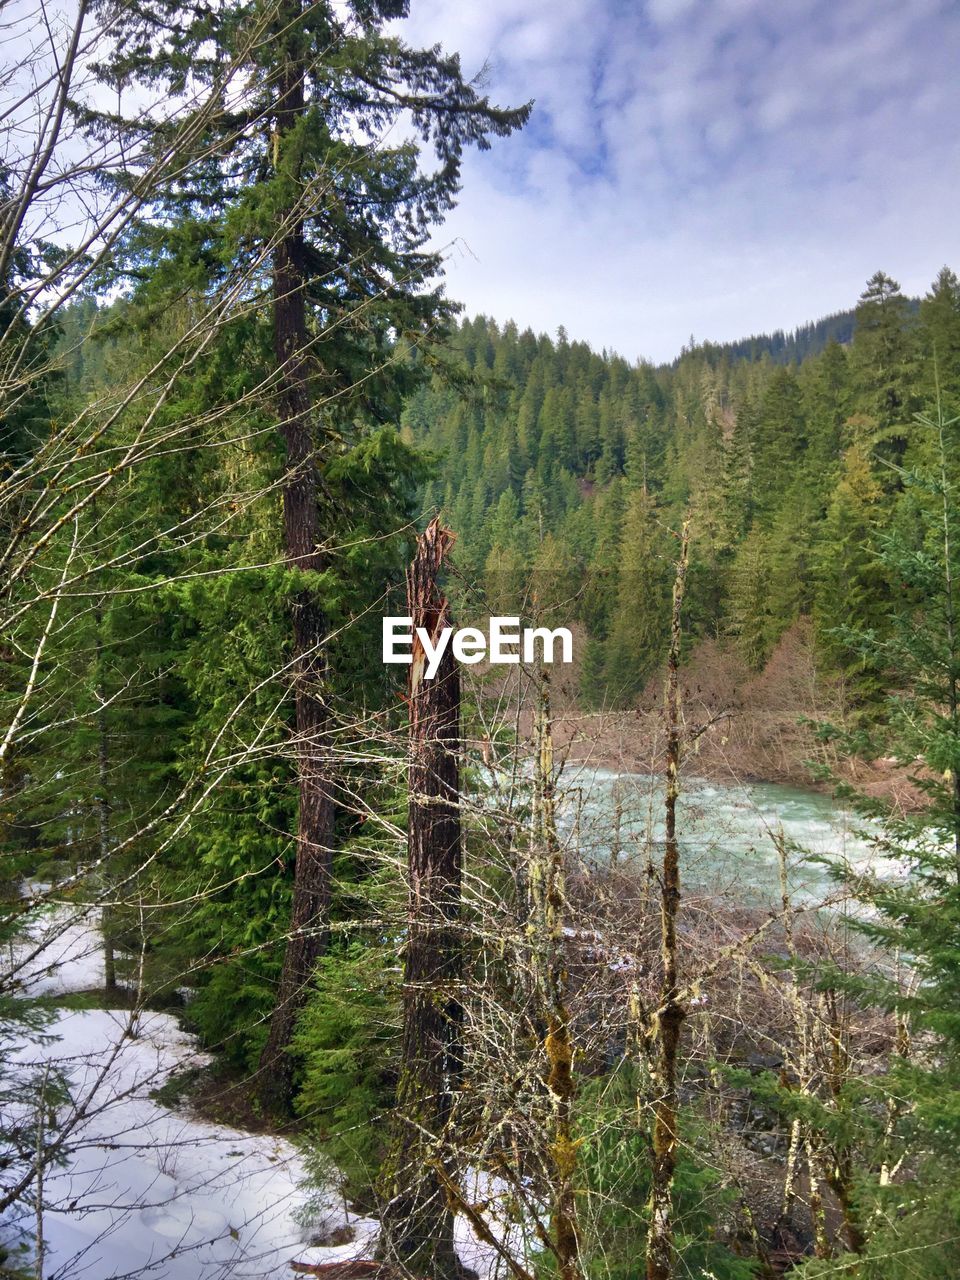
{"x":702,"y":168}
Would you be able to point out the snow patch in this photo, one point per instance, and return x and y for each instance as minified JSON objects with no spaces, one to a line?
{"x":145,"y":1191}
{"x":140,"y":1190}
{"x":60,"y":950}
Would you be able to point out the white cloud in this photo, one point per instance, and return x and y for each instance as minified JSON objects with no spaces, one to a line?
{"x":665,"y":12}
{"x":717,"y":167}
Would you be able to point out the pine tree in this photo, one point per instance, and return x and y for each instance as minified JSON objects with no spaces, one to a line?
{"x":587,"y":428}
{"x":826,"y":387}
{"x":780,"y":441}
{"x":635,"y":644}
{"x":342,"y":226}
{"x":915,"y":1219}
{"x":557,"y":433}
{"x":881,"y":359}
{"x":610,"y":431}
{"x":751,"y":614}
{"x":939,"y":341}
{"x":851,"y":591}
{"x":505,"y":527}
{"x":790,"y":547}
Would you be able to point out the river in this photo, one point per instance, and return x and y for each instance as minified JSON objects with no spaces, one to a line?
{"x":728,"y":832}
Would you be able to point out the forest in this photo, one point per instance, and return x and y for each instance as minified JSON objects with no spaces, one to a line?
{"x":318,"y":965}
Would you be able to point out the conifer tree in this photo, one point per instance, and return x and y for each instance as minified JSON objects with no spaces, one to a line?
{"x":826,"y":385}
{"x":779,"y":442}
{"x":749,"y":605}
{"x":790,"y":547}
{"x":917,"y":914}
{"x":940,"y":341}
{"x":635,"y":644}
{"x":505,"y":522}
{"x":286,"y":183}
{"x":881,"y":359}
{"x":851,"y":593}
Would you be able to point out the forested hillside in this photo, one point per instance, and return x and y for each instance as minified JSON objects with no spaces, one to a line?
{"x":786,"y":348}
{"x":790,"y":475}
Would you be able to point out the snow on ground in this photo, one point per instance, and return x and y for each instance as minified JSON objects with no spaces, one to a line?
{"x":60,"y":950}
{"x":145,"y":1191}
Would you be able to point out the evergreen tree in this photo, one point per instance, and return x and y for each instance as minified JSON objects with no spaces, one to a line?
{"x":939,"y":340}
{"x":881,"y":359}
{"x":751,"y":613}
{"x":790,"y":547}
{"x":779,"y":442}
{"x":343,"y":226}
{"x":826,"y":385}
{"x":851,"y":591}
{"x":917,"y":914}
{"x":505,"y":522}
{"x":635,"y":644}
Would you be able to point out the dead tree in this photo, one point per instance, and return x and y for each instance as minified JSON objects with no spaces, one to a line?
{"x":103,"y":806}
{"x":841,"y":1170}
{"x":665,"y":1034}
{"x":417,"y":1221}
{"x":547,"y":877}
{"x":316,"y":815}
{"x":823,"y":1066}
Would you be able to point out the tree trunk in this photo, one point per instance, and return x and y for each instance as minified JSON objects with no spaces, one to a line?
{"x":660,"y":1246}
{"x":841,"y":1169}
{"x":818,"y":1216}
{"x":417,"y":1222}
{"x":103,"y":806}
{"x":549,"y":903}
{"x":103,"y":842}
{"x":315,"y":826}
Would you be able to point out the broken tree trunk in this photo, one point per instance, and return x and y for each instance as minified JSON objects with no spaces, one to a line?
{"x":315,"y":823}
{"x":665,"y":1035}
{"x":417,"y":1221}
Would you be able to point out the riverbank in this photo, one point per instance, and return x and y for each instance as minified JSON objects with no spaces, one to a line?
{"x":743,"y":726}
{"x":733,"y":751}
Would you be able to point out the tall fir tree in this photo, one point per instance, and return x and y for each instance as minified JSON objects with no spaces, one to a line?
{"x":284,"y":181}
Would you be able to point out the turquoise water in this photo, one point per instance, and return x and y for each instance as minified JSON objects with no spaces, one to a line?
{"x":726,"y":832}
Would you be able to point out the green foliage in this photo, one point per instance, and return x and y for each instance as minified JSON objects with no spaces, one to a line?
{"x":917,"y":915}
{"x":640,"y":619}
{"x":852,"y":596}
{"x":916,"y":1235}
{"x":230,"y":1010}
{"x":881,"y":360}
{"x":751,"y":614}
{"x":812,"y":488}
{"x":348,"y":1040}
{"x":614,"y":1168}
